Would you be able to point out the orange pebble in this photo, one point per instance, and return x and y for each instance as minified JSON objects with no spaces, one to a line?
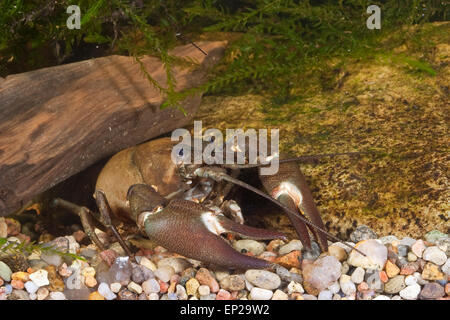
{"x":96,"y":296}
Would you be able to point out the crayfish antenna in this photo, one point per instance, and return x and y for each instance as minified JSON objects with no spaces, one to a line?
{"x":219,"y":176}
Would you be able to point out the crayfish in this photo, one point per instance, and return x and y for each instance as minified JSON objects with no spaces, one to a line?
{"x":184,"y":207}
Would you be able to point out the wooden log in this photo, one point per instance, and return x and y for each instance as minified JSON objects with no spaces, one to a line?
{"x":55,"y":122}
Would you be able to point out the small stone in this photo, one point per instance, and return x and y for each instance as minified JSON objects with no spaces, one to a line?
{"x":434,"y":236}
{"x":347,"y":286}
{"x":334,"y":287}
{"x":5,"y":271}
{"x":151,"y":286}
{"x":126,"y":294}
{"x":134,"y":287}
{"x":411,"y":257}
{"x":21,"y":276}
{"x":109,"y":256}
{"x":181,"y":293}
{"x":388,"y":239}
{"x":358,"y":275}
{"x":75,"y":281}
{"x":376,"y":255}
{"x":444,"y":245}
{"x":383,"y":276}
{"x":432,"y":291}
{"x":363,"y":286}
{"x":325,"y":295}
{"x":42,"y":293}
{"x":64,"y":271}
{"x":17,"y":284}
{"x":395,"y":285}
{"x":410,"y":280}
{"x":53,"y":259}
{"x":391,"y":269}
{"x":57,"y":296}
{"x":287,"y":275}
{"x":446,"y":267}
{"x":431,"y":272}
{"x":418,"y":248}
{"x":409,"y":268}
{"x":115,"y":287}
{"x":263,"y":279}
{"x":373,"y":280}
{"x":295,"y":287}
{"x":96,"y":296}
{"x":447,"y":289}
{"x":322,"y":272}
{"x":90,"y":281}
{"x":274,"y":245}
{"x":211,"y":296}
{"x":19,"y":295}
{"x":308,"y":297}
{"x":164,"y":273}
{"x":410,"y":292}
{"x":204,"y":290}
{"x":178,"y":264}
{"x":220,"y":275}
{"x":233,"y":283}
{"x":153,"y":296}
{"x":338,"y":252}
{"x":402,"y":250}
{"x":418,"y":277}
{"x":435,"y":255}
{"x":280,"y":295}
{"x":407,"y":241}
{"x":40,"y":278}
{"x":290,"y":260}
{"x":89,"y":271}
{"x":140,"y":273}
{"x":223,"y":295}
{"x":31,"y":287}
{"x":314,"y":253}
{"x":361,"y":233}
{"x":163,"y":286}
{"x":248,"y":245}
{"x":260,"y":294}
{"x":148,"y":264}
{"x":204,"y":277}
{"x":105,"y":292}
{"x":3,"y":228}
{"x":291,"y":246}
{"x":192,"y":286}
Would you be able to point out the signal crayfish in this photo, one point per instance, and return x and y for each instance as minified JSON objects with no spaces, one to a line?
{"x":184,"y":207}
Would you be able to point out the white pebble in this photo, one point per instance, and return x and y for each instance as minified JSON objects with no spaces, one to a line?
{"x":105,"y":291}
{"x":153,"y":296}
{"x":134,"y":287}
{"x":325,"y":295}
{"x":410,"y":292}
{"x":151,"y":286}
{"x":291,"y":246}
{"x":358,"y":275}
{"x":410,"y":280}
{"x":435,"y":255}
{"x":446,"y":267}
{"x":381,"y":297}
{"x":203,"y":290}
{"x":164,"y":273}
{"x":279,"y":295}
{"x":261,"y":294}
{"x":40,"y":278}
{"x":115,"y":287}
{"x":334,"y":287}
{"x":347,"y":286}
{"x":31,"y":287}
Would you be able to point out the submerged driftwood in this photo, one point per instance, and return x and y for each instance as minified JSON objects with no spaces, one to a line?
{"x":57,"y":121}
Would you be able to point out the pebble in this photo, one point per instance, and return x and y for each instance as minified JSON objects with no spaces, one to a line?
{"x":373,"y":280}
{"x":178,"y":264}
{"x":381,"y":297}
{"x":295,"y":287}
{"x":407,"y":241}
{"x":57,"y":296}
{"x":19,"y":295}
{"x":134,"y":287}
{"x":151,"y":286}
{"x":291,"y":246}
{"x":182,"y":294}
{"x":410,"y":292}
{"x":410,"y":280}
{"x":361,"y":233}
{"x":40,"y":278}
{"x":223,"y":295}
{"x":31,"y":287}
{"x":248,"y":245}
{"x":435,"y":235}
{"x":432,"y":291}
{"x":402,"y":250}
{"x":411,"y":257}
{"x":115,"y":287}
{"x":314,"y":253}
{"x":388,"y":239}
{"x":53,"y":259}
{"x":126,"y":294}
{"x":347,"y":286}
{"x":395,"y":285}
{"x":391,"y":269}
{"x":322,"y":272}
{"x":376,"y":255}
{"x":153,"y":296}
{"x":338,"y":252}
{"x":358,"y":275}
{"x":164,"y":273}
{"x":263,"y":279}
{"x":220,"y":275}
{"x":22,"y":276}
{"x":75,"y":281}
{"x":418,"y":248}
{"x":148,"y":264}
{"x":233,"y":283}
{"x":280,"y":295}
{"x":446,"y":267}
{"x":5,"y":271}
{"x":325,"y":295}
{"x":42,"y":293}
{"x":260,"y":294}
{"x":431,"y":272}
{"x":140,"y":273}
{"x":105,"y":291}
{"x":290,"y":260}
{"x":192,"y":286}
{"x":96,"y":296}
{"x":205,"y":277}
{"x":204,"y":290}
{"x":435,"y":255}
{"x":334,"y":287}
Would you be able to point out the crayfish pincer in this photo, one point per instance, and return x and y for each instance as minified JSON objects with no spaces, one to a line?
{"x":184,"y":207}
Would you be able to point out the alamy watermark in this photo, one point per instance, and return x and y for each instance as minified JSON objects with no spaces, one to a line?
{"x":240,"y":147}
{"x":374,"y":21}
